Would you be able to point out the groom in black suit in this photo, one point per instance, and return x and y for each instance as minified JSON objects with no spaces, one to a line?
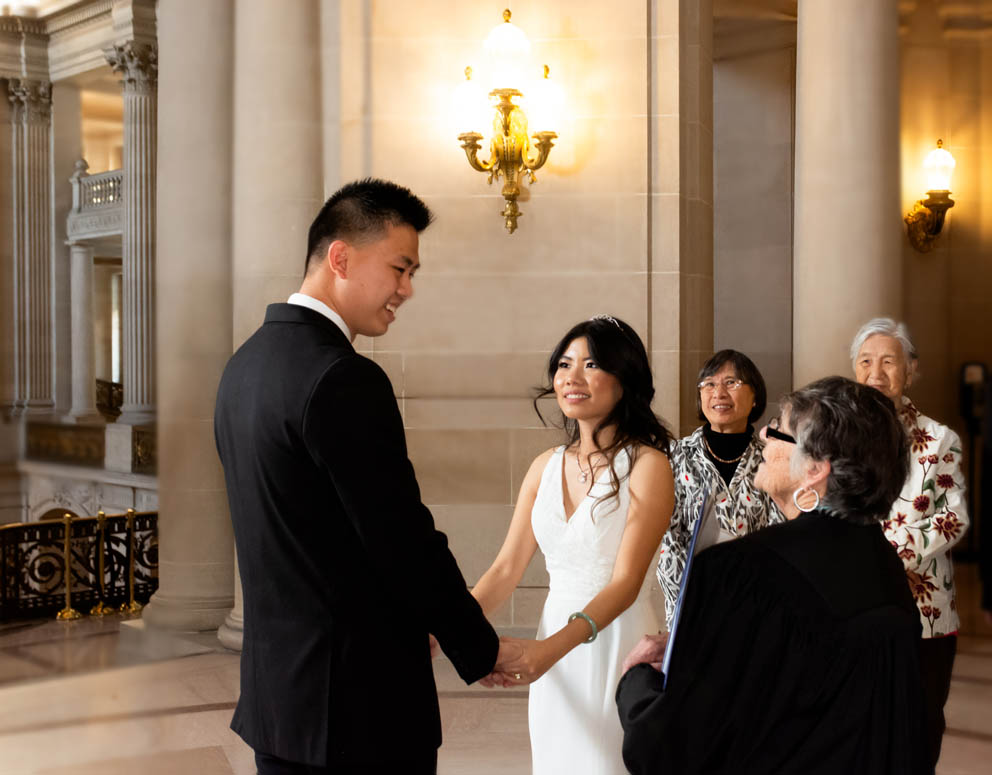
{"x":343,"y":572}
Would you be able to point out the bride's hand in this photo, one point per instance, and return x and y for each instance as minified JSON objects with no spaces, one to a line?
{"x":435,"y":646}
{"x":533,"y":661}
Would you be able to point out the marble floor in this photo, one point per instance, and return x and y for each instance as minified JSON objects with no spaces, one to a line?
{"x":107,"y":697}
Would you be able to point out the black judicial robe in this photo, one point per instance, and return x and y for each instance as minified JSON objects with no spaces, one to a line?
{"x":797,"y":652}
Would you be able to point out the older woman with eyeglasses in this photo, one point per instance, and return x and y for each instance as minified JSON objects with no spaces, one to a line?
{"x":929,"y":516}
{"x":797,"y":649}
{"x":721,"y":457}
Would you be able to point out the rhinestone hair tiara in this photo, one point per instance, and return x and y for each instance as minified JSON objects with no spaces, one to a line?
{"x":610,"y":318}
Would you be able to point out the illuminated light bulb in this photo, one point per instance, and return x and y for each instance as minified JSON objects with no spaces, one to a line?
{"x":470,"y":108}
{"x":939,"y":165}
{"x":544,"y":104}
{"x":508,"y":55}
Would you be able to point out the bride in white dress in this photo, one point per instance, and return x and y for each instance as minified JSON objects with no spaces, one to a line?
{"x":597,"y":507}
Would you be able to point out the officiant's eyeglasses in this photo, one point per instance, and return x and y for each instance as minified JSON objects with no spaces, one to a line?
{"x":772,"y":432}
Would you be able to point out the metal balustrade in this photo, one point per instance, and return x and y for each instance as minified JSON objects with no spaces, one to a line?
{"x":33,"y":565}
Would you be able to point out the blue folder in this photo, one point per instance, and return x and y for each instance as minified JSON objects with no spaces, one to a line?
{"x":704,"y":534}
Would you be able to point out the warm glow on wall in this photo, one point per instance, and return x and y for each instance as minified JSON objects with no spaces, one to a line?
{"x":926,"y":220}
{"x":517,"y":103}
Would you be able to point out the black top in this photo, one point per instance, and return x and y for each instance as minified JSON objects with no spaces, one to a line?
{"x":729,"y":446}
{"x":796,"y":653}
{"x":343,"y":572}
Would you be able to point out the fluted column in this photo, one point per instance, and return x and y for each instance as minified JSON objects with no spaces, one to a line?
{"x":81,"y":312}
{"x":848,"y":227}
{"x":196,"y":559}
{"x":31,"y":121}
{"x":138,"y":66}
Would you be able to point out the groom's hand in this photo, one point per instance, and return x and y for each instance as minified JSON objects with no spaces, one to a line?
{"x":510,"y":650}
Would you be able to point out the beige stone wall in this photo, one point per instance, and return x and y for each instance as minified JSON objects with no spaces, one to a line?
{"x":620,"y":222}
{"x":753,"y":136}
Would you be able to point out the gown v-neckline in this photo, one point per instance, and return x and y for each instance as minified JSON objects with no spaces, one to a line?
{"x":564,"y":489}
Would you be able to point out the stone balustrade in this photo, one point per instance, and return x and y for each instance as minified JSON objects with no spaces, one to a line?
{"x":97,"y":204}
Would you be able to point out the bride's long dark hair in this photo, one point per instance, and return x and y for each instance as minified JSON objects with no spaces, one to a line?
{"x":617,"y":349}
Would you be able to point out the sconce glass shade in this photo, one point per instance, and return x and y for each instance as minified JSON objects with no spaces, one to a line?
{"x":544,"y":104}
{"x":926,"y":220}
{"x":507,"y":52}
{"x":939,"y":165}
{"x":471,"y":109}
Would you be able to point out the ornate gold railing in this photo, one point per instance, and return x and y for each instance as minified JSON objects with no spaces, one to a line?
{"x":109,"y":561}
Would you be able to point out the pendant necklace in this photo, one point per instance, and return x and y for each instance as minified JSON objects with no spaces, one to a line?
{"x":583,"y":475}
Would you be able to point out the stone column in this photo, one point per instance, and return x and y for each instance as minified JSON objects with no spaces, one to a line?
{"x":680,"y":194}
{"x":138,"y":65}
{"x":231,"y":632}
{"x":848,"y":227}
{"x":67,"y":148}
{"x":277,"y":105}
{"x":31,"y":119}
{"x":81,"y":310}
{"x":196,"y":567}
{"x":103,"y":337}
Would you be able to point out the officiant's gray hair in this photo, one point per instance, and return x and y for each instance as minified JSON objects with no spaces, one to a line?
{"x":854,"y":428}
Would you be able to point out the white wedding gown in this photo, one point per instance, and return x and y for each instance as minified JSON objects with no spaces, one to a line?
{"x":574,"y":727}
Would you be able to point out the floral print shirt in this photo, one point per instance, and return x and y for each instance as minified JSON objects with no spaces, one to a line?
{"x":740,"y":508}
{"x":929,"y":517}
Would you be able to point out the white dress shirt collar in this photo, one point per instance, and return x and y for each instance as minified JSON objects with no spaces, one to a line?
{"x":302,"y":300}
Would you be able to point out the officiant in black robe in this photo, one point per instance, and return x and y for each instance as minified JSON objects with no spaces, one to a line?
{"x":797,"y":647}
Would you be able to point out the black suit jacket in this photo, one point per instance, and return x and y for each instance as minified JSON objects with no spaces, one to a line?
{"x":342,"y":569}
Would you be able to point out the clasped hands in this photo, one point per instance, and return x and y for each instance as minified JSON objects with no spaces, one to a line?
{"x":519,"y":662}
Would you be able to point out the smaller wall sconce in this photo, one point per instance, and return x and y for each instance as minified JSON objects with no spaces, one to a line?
{"x":512,"y":154}
{"x":926,"y":220}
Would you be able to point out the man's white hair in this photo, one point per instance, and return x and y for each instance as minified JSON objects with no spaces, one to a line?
{"x":885,"y":327}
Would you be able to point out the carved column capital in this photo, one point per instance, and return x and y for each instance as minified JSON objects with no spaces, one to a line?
{"x":137,"y":63}
{"x":31,"y":100}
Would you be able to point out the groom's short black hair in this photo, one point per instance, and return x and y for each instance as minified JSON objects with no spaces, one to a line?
{"x":361,"y":211}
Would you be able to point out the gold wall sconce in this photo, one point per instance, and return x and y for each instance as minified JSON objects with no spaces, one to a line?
{"x":926,"y":220}
{"x":513,"y":155}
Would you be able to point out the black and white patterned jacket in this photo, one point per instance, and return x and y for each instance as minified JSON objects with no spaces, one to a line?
{"x":740,"y":508}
